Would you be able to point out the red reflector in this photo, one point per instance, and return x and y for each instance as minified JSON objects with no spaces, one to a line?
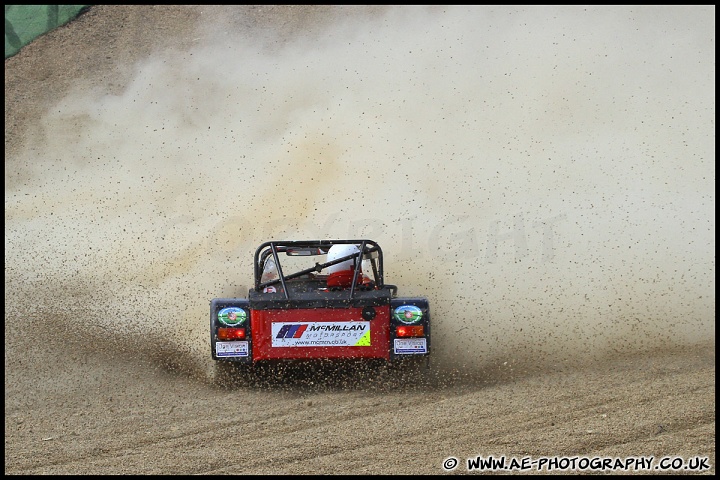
{"x":410,"y":331}
{"x":231,"y":333}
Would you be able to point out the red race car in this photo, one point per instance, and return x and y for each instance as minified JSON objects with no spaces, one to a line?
{"x":320,"y":299}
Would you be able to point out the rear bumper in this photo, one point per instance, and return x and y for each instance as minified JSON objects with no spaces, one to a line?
{"x":321,"y":333}
{"x":360,"y":332}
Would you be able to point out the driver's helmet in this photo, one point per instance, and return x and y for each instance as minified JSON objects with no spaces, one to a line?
{"x":340,"y":274}
{"x":339,"y":251}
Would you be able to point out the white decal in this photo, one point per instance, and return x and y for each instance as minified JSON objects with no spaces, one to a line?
{"x":232,"y":349}
{"x":410,"y":346}
{"x":321,"y":334}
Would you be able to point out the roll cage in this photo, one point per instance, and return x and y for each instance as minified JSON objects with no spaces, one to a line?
{"x":369,"y":250}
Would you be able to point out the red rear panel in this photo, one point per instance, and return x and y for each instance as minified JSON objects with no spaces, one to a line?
{"x":320,"y":333}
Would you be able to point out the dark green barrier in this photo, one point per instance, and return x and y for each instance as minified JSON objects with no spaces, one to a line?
{"x":24,"y":23}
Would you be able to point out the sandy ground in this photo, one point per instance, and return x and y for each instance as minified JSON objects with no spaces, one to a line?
{"x":113,"y":246}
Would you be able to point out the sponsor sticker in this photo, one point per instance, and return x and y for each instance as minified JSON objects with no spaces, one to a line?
{"x":410,"y":346}
{"x":408,"y":314}
{"x":321,"y":334}
{"x":232,"y":349}
{"x":232,"y":316}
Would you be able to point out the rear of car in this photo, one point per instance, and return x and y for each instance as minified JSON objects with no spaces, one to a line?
{"x":307,"y":314}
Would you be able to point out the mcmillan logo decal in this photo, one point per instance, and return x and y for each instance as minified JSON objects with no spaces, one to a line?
{"x":337,"y":328}
{"x":291,"y":331}
{"x":296,"y":330}
{"x":315,"y":334}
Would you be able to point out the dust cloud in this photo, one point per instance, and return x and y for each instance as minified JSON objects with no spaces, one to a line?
{"x":544,"y":175}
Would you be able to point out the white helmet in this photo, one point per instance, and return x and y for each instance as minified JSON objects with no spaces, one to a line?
{"x":339,"y":251}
